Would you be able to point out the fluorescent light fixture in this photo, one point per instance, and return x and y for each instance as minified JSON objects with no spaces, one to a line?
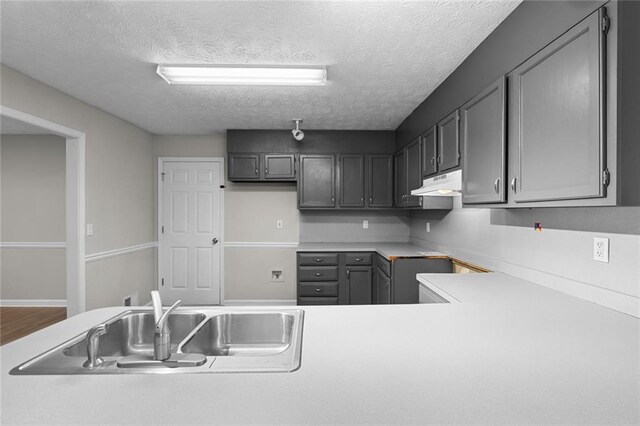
{"x":243,"y":75}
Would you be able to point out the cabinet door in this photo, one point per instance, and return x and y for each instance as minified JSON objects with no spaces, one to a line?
{"x":244,"y":167}
{"x":380,"y":180}
{"x":448,"y":142}
{"x":483,"y":133}
{"x":401,"y":179}
{"x":351,"y":180}
{"x":414,"y":173}
{"x":556,"y":132}
{"x":359,"y":281}
{"x":383,"y":288}
{"x":279,"y":166}
{"x":317,"y":185}
{"x":429,"y":152}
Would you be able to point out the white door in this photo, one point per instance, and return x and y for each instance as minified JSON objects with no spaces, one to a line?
{"x":190,"y":237}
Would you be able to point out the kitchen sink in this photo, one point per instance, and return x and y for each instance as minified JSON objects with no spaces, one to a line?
{"x":220,"y":340}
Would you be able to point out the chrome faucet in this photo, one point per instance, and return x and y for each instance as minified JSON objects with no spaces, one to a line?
{"x":93,"y":345}
{"x":162,"y":336}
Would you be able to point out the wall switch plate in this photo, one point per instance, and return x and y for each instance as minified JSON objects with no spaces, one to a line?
{"x":279,"y":223}
{"x":89,"y":229}
{"x":131,"y":300}
{"x":428,"y":227}
{"x":277,"y":275}
{"x":365,"y":224}
{"x":601,"y":249}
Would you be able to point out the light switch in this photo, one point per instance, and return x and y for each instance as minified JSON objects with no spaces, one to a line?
{"x":428,"y":227}
{"x":89,"y":229}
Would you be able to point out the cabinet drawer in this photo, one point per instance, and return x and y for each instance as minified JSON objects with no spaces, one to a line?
{"x":319,"y":289}
{"x":358,"y":259}
{"x":317,"y":300}
{"x":319,"y":259}
{"x":384,"y":265}
{"x":318,"y":273}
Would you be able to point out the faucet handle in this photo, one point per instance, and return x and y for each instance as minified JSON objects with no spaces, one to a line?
{"x":157,"y":306}
{"x":161,"y":324}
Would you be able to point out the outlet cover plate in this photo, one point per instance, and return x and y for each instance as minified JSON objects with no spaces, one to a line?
{"x":601,"y":249}
{"x":365,"y":224}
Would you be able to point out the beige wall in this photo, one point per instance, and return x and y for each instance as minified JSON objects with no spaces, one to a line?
{"x":119,"y":183}
{"x":32,"y":171}
{"x":251,"y":211}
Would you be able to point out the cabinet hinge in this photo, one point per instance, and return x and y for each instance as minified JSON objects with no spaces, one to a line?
{"x":162,"y":281}
{"x":162,"y":175}
{"x":163,"y":229}
{"x":606,"y":22}
{"x":606,"y":177}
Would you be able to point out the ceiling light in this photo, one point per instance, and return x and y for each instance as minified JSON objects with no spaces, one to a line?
{"x":241,"y":76}
{"x":297,"y":133}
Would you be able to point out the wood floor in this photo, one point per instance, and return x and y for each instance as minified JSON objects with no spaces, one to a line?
{"x":17,"y":322}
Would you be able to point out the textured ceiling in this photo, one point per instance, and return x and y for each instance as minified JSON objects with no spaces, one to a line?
{"x":383,"y":58}
{"x":11,"y":126}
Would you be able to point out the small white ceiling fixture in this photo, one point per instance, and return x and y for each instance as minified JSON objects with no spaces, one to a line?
{"x":242,"y":75}
{"x":297,"y":133}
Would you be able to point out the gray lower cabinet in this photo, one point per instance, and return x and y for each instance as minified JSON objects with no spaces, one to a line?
{"x":448,"y":142}
{"x":556,"y":125}
{"x":279,"y":166}
{"x":317,"y":184}
{"x":382,"y":286}
{"x":359,"y":282}
{"x":244,"y":167}
{"x":483,"y":134}
{"x":429,"y":141}
{"x":380,"y":180}
{"x":351,"y":180}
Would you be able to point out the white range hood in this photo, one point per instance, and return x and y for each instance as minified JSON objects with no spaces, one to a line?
{"x":444,"y":185}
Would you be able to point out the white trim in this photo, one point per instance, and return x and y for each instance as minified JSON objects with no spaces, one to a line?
{"x":32,"y":245}
{"x":277,"y":245}
{"x":34,"y":302}
{"x":161,"y":161}
{"x":240,"y":302}
{"x":75,"y":204}
{"x":119,"y":252}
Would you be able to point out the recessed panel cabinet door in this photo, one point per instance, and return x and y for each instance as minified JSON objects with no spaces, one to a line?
{"x":429,"y":153}
{"x":401,"y":178}
{"x":482,"y":127}
{"x":316,"y":187}
{"x":351,"y":180}
{"x":244,"y":166}
{"x":279,"y":166}
{"x":556,"y":132}
{"x":414,"y":173}
{"x":359,"y":281}
{"x":448,"y":142}
{"x":380,"y":171}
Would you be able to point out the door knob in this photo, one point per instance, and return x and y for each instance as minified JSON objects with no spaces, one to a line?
{"x":214,"y":241}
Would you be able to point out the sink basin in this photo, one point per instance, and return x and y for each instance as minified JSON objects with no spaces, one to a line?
{"x":219,"y":339}
{"x":243,"y":334}
{"x":133,"y":333}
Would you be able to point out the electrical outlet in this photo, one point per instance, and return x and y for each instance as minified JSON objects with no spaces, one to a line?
{"x":601,"y":249}
{"x":89,"y":229}
{"x":277,"y":275}
{"x":428,"y":227}
{"x":365,"y":224}
{"x":279,"y":224}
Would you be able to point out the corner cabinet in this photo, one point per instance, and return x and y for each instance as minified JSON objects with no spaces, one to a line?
{"x":380,"y":180}
{"x":448,"y":142}
{"x":408,"y":175}
{"x":483,"y":134}
{"x":317,"y":185}
{"x":429,"y":152}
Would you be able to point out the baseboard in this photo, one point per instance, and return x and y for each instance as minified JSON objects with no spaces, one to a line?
{"x":287,"y":302}
{"x":61,"y":303}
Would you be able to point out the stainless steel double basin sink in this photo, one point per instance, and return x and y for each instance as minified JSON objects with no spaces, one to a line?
{"x":227,"y":341}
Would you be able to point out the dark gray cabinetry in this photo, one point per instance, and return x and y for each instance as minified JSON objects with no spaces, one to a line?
{"x":400,"y":168}
{"x":244,"y":167}
{"x":351,"y":180}
{"x":556,"y":135}
{"x":317,"y":185}
{"x":429,"y":143}
{"x":279,"y":166}
{"x":380,"y":180}
{"x":359,"y":282}
{"x":382,"y":281}
{"x":408,"y":173}
{"x":448,"y":142}
{"x":483,"y":134}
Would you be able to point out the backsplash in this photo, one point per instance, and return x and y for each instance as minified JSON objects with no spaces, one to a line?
{"x":346,"y":226}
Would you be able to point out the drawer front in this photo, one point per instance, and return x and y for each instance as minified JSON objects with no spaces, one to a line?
{"x":317,"y":300}
{"x":353,"y":259}
{"x":318,"y":273}
{"x":317,"y":259}
{"x":319,"y":289}
{"x":384,"y":265}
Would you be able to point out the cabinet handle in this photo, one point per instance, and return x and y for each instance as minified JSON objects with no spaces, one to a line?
{"x":513,"y":184}
{"x":256,"y":171}
{"x":362,"y":200}
{"x":359,"y":259}
{"x":439,"y":160}
{"x":319,"y":260}
{"x":319,"y":290}
{"x":333,"y":200}
{"x":266,"y":171}
{"x":348,"y":274}
{"x":496,"y":185}
{"x":318,"y":274}
{"x":433,"y":161}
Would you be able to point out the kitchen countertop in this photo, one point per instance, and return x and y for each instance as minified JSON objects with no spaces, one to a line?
{"x":386,"y":250}
{"x":510,"y":352}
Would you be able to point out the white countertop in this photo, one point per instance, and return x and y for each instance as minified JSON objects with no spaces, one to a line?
{"x":386,"y":250}
{"x":510,"y":352}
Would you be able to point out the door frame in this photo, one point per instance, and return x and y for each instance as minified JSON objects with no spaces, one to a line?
{"x":160,"y":213}
{"x":75,"y":205}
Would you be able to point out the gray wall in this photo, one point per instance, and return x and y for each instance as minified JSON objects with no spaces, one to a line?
{"x":346,"y":226}
{"x":32,"y":201}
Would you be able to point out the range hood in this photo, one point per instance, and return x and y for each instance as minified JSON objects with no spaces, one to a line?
{"x":444,"y":185}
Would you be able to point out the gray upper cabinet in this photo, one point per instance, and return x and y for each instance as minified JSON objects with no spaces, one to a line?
{"x":401,"y":178}
{"x":483,"y":134}
{"x":380,"y":180}
{"x":414,"y":173}
{"x":279,"y":166}
{"x":351,"y":180}
{"x":556,"y":132}
{"x":448,"y":142}
{"x":244,"y":167}
{"x":429,"y":152}
{"x":316,"y":186}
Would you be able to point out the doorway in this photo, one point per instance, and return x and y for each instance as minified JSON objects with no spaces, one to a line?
{"x":190,"y":230}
